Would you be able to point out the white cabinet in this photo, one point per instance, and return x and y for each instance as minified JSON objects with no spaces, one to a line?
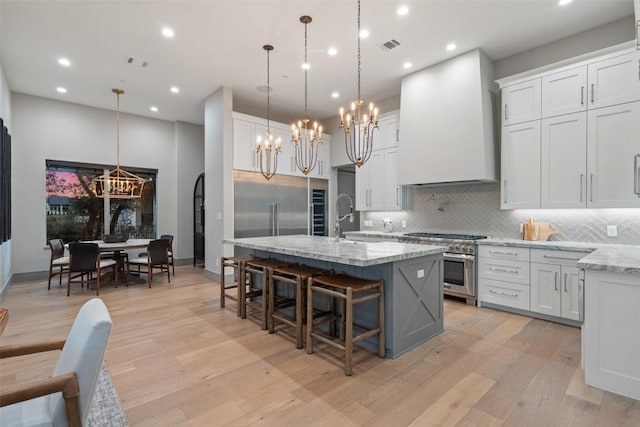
{"x":377,"y":186}
{"x":564,"y":92}
{"x":554,"y":283}
{"x":521,"y":166}
{"x":614,"y":80}
{"x":564,"y":161}
{"x":611,"y":348}
{"x":521,"y":102}
{"x":503,"y":276}
{"x":244,"y":146}
{"x":613,"y":147}
{"x":323,"y":166}
{"x":370,"y":183}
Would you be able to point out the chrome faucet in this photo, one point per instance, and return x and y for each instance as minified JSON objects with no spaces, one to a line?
{"x":338,"y":218}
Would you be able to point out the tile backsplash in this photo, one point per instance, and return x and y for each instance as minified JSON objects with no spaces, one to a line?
{"x":475,"y":209}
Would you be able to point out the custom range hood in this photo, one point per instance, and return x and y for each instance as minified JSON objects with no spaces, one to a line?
{"x":447,"y":123}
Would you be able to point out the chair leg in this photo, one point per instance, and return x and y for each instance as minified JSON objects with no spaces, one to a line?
{"x":50,"y":273}
{"x":222,"y":285}
{"x":168,"y":275}
{"x":173,"y":266}
{"x":149,"y":274}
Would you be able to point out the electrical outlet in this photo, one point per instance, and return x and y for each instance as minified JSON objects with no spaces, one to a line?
{"x":420,"y":274}
{"x":368,"y":223}
{"x":404,"y":224}
{"x":217,"y":262}
{"x":521,"y":227}
{"x":218,"y":216}
{"x":612,"y":230}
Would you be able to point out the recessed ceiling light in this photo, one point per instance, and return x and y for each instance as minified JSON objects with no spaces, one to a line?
{"x":168,"y":32}
{"x":174,"y":89}
{"x":403,"y":10}
{"x":364,"y":33}
{"x":332,"y":51}
{"x":306,"y":66}
{"x":60,"y":89}
{"x":564,"y":2}
{"x":335,"y":95}
{"x":154,"y":109}
{"x":407,"y":64}
{"x":451,"y":46}
{"x":64,"y":62}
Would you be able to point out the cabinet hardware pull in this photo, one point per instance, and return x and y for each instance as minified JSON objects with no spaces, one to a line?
{"x":397,"y":195}
{"x":592,"y":93}
{"x":397,"y":135}
{"x":560,"y":257}
{"x":565,"y":282}
{"x":503,"y":253}
{"x":591,"y":189}
{"x":503,"y":293}
{"x":555,"y":281}
{"x":638,"y":43}
{"x":581,"y":95}
{"x":636,"y":173}
{"x":505,"y":191}
{"x":505,"y":111}
{"x":503,"y":270}
{"x":581,"y":185}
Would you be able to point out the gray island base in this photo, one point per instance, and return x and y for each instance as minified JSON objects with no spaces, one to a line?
{"x":412,"y":277}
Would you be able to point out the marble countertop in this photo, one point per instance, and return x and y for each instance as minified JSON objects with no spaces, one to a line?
{"x":348,"y":252}
{"x":538,"y":244}
{"x":615,"y":259}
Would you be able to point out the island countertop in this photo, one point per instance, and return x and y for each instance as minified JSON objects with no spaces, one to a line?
{"x":362,"y":254}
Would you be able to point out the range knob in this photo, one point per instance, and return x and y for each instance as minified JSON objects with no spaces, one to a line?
{"x":458,"y":248}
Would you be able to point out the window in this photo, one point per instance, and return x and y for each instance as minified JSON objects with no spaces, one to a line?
{"x":75,"y":213}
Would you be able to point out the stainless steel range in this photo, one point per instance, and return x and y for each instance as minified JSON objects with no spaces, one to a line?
{"x":459,"y":261}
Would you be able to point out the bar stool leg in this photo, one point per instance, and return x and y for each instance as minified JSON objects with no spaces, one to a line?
{"x":348,"y":341}
{"x":309,"y":315}
{"x":381,"y":334}
{"x":266,"y":274}
{"x":299,"y":312}
{"x":242,"y":294}
{"x":222,"y":285}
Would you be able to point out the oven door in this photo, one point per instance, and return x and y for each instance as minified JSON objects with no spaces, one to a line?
{"x":459,"y":274}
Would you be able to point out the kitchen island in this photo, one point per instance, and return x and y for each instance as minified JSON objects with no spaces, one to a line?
{"x":412,"y":277}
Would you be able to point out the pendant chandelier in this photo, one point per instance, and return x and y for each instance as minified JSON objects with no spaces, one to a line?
{"x":118,"y":183}
{"x":268,"y":158}
{"x":358,"y":127}
{"x":306,"y":141}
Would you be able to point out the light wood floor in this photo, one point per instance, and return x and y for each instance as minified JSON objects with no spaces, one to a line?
{"x":177,"y":358}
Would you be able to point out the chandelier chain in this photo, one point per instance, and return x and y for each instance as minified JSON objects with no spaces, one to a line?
{"x":305,"y":70}
{"x":359,"y":97}
{"x":118,"y":129}
{"x":268,"y":89}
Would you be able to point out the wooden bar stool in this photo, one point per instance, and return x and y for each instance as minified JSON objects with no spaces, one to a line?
{"x":263,"y":268}
{"x":345,"y":288}
{"x":236,"y":264}
{"x":296,"y":275}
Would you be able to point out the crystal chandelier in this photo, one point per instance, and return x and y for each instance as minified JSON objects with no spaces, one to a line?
{"x":358,"y":127}
{"x":118,"y":183}
{"x":268,"y":160}
{"x":306,"y":141}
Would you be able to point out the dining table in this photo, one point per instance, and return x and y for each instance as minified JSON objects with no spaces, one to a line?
{"x":118,"y":247}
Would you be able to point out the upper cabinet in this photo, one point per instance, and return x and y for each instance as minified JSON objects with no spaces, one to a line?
{"x":245,"y":131}
{"x":521,"y":102}
{"x":586,"y":151}
{"x":446,"y":118}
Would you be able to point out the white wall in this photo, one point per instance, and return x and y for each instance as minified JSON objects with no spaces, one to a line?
{"x":49,"y":129}
{"x":189,"y":150}
{"x":5,"y":113}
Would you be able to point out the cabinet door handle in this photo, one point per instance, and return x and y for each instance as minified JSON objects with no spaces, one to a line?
{"x":565,"y":282}
{"x":505,"y":191}
{"x":397,"y":195}
{"x":560,"y":257}
{"x":592,"y":93}
{"x":397,"y":135}
{"x":581,"y":185}
{"x":503,"y":270}
{"x":555,"y":281}
{"x":638,"y":43}
{"x":591,"y":188}
{"x":581,"y":95}
{"x":636,"y":175}
{"x":503,"y":253}
{"x":505,"y":111}
{"x":503,"y":293}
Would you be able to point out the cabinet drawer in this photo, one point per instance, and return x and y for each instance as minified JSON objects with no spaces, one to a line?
{"x":504,"y":270}
{"x":546,"y":256}
{"x":502,"y":293}
{"x":503,"y":252}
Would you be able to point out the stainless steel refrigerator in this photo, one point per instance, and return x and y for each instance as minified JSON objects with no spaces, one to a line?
{"x":281,"y":206}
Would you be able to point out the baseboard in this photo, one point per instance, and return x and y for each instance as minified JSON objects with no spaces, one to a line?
{"x":212,"y":275}
{"x":32,"y":275}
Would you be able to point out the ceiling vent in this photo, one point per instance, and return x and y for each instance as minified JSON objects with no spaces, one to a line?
{"x":132,"y":61}
{"x":391,"y":44}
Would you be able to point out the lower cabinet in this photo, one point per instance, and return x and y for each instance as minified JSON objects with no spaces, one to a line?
{"x":534,"y":280}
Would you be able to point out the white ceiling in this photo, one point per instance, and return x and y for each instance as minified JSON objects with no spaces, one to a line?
{"x":219,"y":42}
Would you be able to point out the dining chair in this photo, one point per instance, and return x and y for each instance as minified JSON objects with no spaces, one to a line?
{"x":157,"y":256}
{"x":169,"y":237}
{"x":64,"y":398}
{"x":85,"y":262}
{"x":58,"y":261}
